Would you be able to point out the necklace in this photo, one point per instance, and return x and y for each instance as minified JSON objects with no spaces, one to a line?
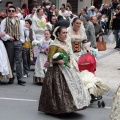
{"x":63,"y":42}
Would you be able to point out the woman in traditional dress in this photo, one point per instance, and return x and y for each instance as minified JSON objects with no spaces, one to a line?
{"x":38,"y":26}
{"x":62,"y":91}
{"x":115,"y":111}
{"x":30,"y":16}
{"x":78,"y":37}
{"x":42,"y":58}
{"x":5,"y":70}
{"x":78,"y":40}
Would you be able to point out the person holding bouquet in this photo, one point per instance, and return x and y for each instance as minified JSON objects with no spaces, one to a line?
{"x":63,"y":91}
{"x":42,"y":57}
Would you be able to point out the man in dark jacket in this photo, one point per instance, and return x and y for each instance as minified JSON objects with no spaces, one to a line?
{"x":62,"y":22}
{"x":116,"y":27}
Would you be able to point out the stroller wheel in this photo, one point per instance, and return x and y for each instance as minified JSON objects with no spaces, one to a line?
{"x":99,"y":104}
{"x":103,"y":104}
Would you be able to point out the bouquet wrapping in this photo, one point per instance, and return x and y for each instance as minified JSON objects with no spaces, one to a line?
{"x":60,"y":56}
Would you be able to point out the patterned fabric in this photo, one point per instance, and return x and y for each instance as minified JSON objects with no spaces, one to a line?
{"x":56,"y":97}
{"x":76,"y":46}
{"x":41,"y":24}
{"x":115,"y":111}
{"x":13,"y":29}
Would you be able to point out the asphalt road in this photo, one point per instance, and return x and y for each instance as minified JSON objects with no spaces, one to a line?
{"x":21,"y":103}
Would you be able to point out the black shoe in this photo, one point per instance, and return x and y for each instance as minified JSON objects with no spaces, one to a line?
{"x":21,"y":82}
{"x":11,"y":81}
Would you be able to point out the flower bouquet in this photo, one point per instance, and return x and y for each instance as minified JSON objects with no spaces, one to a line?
{"x":44,"y":47}
{"x":46,"y":65}
{"x":35,"y":43}
{"x":60,"y":56}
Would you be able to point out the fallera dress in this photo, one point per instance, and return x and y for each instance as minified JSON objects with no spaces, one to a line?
{"x":93,"y":84}
{"x":5,"y":70}
{"x":63,"y":91}
{"x":115,"y":111}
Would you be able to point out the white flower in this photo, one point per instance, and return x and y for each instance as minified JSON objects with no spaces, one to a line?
{"x":35,"y":43}
{"x":55,"y":56}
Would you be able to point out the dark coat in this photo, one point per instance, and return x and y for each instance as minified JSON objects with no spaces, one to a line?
{"x":116,"y":22}
{"x":107,"y":12}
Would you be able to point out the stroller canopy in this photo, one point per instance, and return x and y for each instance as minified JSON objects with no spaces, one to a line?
{"x":87,"y":62}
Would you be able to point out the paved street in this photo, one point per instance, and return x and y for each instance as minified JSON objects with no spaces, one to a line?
{"x":21,"y":102}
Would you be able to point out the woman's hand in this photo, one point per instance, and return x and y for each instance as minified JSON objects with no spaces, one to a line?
{"x":11,"y":39}
{"x":2,"y":34}
{"x":61,"y":62}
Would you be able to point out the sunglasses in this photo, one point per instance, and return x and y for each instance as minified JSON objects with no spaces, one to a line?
{"x":11,"y":11}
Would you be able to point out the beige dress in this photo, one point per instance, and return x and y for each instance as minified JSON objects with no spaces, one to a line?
{"x":115,"y":111}
{"x":5,"y":70}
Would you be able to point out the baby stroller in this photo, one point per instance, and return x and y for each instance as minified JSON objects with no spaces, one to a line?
{"x":87,"y":66}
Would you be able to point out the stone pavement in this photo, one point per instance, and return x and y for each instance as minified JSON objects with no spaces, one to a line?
{"x":107,"y":65}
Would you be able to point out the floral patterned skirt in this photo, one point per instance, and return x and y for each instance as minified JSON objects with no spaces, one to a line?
{"x":115,"y":111}
{"x":56,"y":96}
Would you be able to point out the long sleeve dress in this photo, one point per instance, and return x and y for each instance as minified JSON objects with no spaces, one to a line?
{"x":38,"y":26}
{"x":63,"y":91}
{"x":41,"y":59}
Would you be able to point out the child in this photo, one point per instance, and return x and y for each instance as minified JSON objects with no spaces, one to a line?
{"x":42,"y":58}
{"x":29,"y":37}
